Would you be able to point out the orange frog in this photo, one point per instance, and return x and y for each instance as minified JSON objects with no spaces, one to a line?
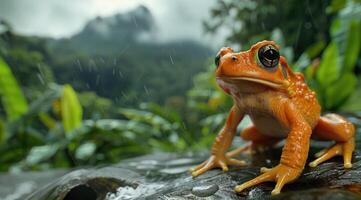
{"x":280,"y":105}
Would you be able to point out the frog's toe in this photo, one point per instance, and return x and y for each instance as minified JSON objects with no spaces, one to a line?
{"x":345,"y":149}
{"x":238,"y":151}
{"x":320,"y":153}
{"x":281,"y":174}
{"x":265,"y":169}
{"x":235,"y":162}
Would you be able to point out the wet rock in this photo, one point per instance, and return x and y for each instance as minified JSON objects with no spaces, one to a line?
{"x":167,"y":178}
{"x":16,"y":186}
{"x":87,"y":184}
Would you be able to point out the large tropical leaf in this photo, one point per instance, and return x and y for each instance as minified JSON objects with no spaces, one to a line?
{"x":71,"y":110}
{"x":340,"y":90}
{"x":11,"y":95}
{"x":328,"y":70}
{"x":353,"y":104}
{"x":352,"y":46}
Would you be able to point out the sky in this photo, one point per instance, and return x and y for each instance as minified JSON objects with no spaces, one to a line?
{"x":176,"y":19}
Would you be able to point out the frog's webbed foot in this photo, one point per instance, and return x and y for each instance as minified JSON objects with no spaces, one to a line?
{"x":216,"y":162}
{"x":345,"y":149}
{"x":281,"y":174}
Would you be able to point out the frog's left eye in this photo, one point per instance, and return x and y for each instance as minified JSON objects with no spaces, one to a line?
{"x":268,"y":56}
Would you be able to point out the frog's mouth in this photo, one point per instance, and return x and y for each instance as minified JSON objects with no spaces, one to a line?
{"x":272,"y":84}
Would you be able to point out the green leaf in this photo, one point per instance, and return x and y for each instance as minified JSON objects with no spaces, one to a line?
{"x":164,"y":112}
{"x":12,"y":97}
{"x":71,"y":110}
{"x":340,"y":90}
{"x":352,"y":46}
{"x":40,"y":153}
{"x":315,"y":49}
{"x":328,"y":71}
{"x":335,"y":6}
{"x":2,"y":132}
{"x":86,"y":150}
{"x":353,"y":103}
{"x":47,"y":120}
{"x":156,"y":121}
{"x":335,"y":27}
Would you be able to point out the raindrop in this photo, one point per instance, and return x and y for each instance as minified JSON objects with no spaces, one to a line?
{"x":171,"y":59}
{"x":135,"y":21}
{"x":146,"y":90}
{"x":40,"y":69}
{"x":263,"y":26}
{"x":120,"y":74}
{"x":123,"y":94}
{"x":184,"y":125}
{"x":298,"y":34}
{"x":40,"y":77}
{"x":79,"y":65}
{"x":124,"y":50}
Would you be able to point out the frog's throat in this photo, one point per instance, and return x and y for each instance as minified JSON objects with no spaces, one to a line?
{"x":280,"y":85}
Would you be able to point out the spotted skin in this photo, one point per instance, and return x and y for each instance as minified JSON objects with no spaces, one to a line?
{"x":281,"y":106}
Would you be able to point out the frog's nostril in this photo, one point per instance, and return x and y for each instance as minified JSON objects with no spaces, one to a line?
{"x":217,"y":59}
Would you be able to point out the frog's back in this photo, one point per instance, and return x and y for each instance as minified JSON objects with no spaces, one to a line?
{"x":305,"y":100}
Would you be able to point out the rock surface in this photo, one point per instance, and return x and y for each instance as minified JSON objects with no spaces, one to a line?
{"x":166,"y":176}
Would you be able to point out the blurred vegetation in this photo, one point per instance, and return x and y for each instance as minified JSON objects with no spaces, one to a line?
{"x":66,"y":103}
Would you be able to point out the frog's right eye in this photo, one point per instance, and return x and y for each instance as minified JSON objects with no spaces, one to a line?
{"x":268,"y":56}
{"x":217,"y":59}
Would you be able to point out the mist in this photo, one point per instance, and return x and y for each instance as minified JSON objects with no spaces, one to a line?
{"x":58,"y":19}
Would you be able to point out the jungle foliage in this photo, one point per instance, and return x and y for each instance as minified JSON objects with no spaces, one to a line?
{"x":63,"y":106}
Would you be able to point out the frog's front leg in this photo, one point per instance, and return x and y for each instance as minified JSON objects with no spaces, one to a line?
{"x":294,"y":154}
{"x":222,"y":144}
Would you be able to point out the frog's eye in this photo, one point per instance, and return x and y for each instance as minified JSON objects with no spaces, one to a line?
{"x":268,"y":56}
{"x":216,"y":59}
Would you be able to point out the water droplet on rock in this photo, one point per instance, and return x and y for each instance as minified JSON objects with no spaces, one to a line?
{"x":177,"y":170}
{"x":205,"y":190}
{"x":182,"y":161}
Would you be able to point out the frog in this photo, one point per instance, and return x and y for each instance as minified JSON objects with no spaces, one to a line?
{"x":280,"y":106}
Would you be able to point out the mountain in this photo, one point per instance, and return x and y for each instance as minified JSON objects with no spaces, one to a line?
{"x":108,"y":35}
{"x":120,"y":57}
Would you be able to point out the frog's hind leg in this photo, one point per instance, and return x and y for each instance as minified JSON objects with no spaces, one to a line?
{"x":336,"y":128}
{"x":257,"y":141}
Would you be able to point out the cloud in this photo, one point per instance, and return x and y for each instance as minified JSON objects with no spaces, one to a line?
{"x":176,"y":19}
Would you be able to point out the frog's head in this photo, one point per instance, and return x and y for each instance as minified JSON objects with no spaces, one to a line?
{"x":261,"y":67}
